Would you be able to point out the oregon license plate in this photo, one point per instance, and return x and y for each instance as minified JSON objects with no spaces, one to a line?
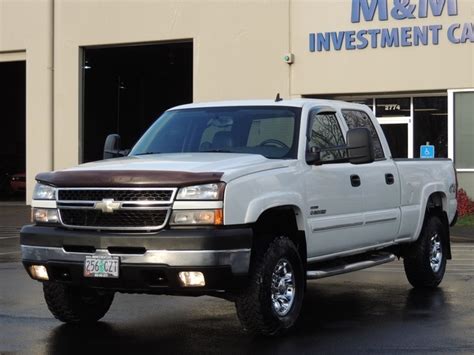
{"x":101,"y":266}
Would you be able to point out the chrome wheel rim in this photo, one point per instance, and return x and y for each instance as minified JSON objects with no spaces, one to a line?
{"x":283,"y":287}
{"x":436,"y":254}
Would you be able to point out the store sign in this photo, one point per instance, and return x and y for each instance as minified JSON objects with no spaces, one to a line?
{"x":403,"y":36}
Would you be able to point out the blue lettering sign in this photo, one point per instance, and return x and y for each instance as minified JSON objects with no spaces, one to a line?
{"x":420,"y":35}
{"x":323,"y":41}
{"x":363,"y":42}
{"x":451,"y":35}
{"x":402,"y":9}
{"x":368,"y":10}
{"x":435,"y":32}
{"x":467,"y":33}
{"x":437,"y":7}
{"x":405,"y":33}
{"x":390,"y":38}
{"x":398,"y":36}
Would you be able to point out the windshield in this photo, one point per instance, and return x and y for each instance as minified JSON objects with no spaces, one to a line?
{"x":268,"y":131}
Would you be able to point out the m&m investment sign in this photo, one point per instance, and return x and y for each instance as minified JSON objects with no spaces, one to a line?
{"x":403,"y":36}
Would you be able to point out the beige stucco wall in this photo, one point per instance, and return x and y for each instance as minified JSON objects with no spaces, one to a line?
{"x":238,"y":49}
{"x":370,"y":70}
{"x":25,"y":33}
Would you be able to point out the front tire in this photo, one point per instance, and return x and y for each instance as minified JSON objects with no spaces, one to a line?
{"x":72,"y":304}
{"x":271,"y":302}
{"x":425,"y":263}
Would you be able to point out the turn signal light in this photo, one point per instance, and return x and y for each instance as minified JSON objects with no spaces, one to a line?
{"x":192,"y":217}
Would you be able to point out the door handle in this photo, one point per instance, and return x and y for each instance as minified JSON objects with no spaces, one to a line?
{"x":355,"y":180}
{"x":389,"y":179}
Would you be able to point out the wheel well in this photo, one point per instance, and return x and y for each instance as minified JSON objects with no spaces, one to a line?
{"x":280,"y":221}
{"x":437,"y":202}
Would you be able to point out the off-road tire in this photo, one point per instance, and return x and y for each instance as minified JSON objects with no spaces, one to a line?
{"x":76,"y":304}
{"x":417,"y":264}
{"x":254,"y":303}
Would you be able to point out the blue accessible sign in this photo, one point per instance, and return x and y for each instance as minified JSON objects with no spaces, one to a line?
{"x":427,"y":151}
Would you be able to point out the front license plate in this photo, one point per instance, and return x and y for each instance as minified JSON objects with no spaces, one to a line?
{"x":101,"y":266}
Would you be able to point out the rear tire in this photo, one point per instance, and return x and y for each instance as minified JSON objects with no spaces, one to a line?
{"x":425,"y":262}
{"x":271,"y":302}
{"x":72,"y":304}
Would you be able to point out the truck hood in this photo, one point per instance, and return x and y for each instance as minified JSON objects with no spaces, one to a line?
{"x":229,"y":165}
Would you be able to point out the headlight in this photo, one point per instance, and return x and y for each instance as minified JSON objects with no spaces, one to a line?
{"x":202,"y":192}
{"x":45,"y":215}
{"x":44,"y":192}
{"x":193,"y":217}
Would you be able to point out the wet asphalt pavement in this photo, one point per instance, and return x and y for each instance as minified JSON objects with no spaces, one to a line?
{"x":370,"y":311}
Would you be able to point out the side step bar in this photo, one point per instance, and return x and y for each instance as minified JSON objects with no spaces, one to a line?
{"x":374,"y":260}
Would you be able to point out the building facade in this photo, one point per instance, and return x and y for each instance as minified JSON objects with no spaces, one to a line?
{"x":99,"y":67}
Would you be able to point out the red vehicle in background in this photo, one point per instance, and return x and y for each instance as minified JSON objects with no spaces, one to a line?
{"x":17,"y":183}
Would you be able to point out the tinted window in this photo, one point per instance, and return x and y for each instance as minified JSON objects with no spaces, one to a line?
{"x":326,"y":133}
{"x":431,"y":124}
{"x":359,"y":119}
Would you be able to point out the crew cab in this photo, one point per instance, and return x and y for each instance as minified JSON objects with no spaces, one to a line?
{"x":244,"y":200}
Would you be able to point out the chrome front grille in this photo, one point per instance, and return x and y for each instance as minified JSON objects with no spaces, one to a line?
{"x":139,"y":209}
{"x":117,"y":195}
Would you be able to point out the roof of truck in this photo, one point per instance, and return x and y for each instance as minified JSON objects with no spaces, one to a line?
{"x":284,"y":103}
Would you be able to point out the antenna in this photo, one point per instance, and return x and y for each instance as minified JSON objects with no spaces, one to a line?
{"x":278,"y":98}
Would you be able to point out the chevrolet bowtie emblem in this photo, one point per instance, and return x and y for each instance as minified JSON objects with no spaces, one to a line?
{"x":107,"y":205}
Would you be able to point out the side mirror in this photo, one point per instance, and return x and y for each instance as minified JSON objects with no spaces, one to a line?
{"x":112,"y":147}
{"x":313,"y":156}
{"x":360,"y":147}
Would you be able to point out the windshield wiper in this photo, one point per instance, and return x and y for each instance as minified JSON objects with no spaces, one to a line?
{"x":215,"y":151}
{"x":146,"y":153}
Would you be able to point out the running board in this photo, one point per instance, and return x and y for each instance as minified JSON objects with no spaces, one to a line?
{"x":374,"y":260}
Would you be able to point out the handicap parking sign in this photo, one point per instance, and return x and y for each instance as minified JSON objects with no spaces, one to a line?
{"x":427,"y":151}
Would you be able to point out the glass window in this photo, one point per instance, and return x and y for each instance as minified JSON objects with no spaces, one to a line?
{"x":392,"y":107}
{"x":464,"y":129}
{"x":326,"y":133}
{"x":268,"y":131}
{"x":430,"y":124}
{"x":397,"y":139}
{"x":358,"y":119}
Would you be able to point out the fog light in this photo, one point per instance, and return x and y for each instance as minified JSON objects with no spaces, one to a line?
{"x":39,"y":272}
{"x":192,"y":279}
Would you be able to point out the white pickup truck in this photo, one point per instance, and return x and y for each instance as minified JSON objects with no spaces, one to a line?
{"x":244,"y":200}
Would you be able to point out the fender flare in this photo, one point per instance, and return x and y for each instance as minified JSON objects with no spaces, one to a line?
{"x":426,"y":193}
{"x":266,"y":202}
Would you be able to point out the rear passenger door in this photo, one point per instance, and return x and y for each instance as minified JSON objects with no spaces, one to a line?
{"x":380,"y":185}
